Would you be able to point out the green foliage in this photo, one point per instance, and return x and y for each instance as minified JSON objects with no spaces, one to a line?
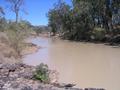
{"x":77,"y":22}
{"x":42,"y":73}
{"x":40,"y":29}
{"x":72,"y":24}
{"x":59,"y":17}
{"x":99,"y":34}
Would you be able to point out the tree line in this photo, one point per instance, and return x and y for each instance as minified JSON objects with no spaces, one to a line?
{"x":89,"y":20}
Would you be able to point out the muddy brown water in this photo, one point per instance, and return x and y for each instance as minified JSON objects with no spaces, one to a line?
{"x":85,"y":64}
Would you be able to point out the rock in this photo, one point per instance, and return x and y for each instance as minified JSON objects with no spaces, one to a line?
{"x":26,"y":88}
{"x":19,"y":77}
{"x":94,"y":89}
{"x":115,"y":40}
{"x":63,"y":85}
{"x":14,"y":85}
{"x":28,"y":75}
{"x":1,"y":84}
{"x":69,"y":85}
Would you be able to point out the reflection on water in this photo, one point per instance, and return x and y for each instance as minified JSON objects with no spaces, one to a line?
{"x":86,"y":64}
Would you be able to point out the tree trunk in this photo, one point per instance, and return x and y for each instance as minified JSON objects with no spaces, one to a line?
{"x":16,"y":16}
{"x":110,"y":24}
{"x":105,"y":23}
{"x":108,"y":13}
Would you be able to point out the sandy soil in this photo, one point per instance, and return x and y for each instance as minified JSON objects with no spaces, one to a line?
{"x":30,"y":48}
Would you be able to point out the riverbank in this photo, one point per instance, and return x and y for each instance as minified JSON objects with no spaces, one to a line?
{"x":84,"y":64}
{"x":9,"y":55}
{"x":68,"y":59}
{"x":110,"y":41}
{"x":30,"y":48}
{"x":19,"y":76}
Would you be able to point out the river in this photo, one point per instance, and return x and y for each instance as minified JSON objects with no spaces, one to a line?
{"x":85,"y":64}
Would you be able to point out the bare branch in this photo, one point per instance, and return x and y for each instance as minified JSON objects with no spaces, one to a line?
{"x":2,"y":11}
{"x":15,"y":7}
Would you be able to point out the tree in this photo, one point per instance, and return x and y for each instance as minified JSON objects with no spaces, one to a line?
{"x":58,"y":17}
{"x":83,"y":18}
{"x":17,"y":32}
{"x":73,"y":23}
{"x":15,"y":6}
{"x":2,"y":11}
{"x":102,"y":11}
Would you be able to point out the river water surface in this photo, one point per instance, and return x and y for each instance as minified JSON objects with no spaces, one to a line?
{"x":85,"y":64}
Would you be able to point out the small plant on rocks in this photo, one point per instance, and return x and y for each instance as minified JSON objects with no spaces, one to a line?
{"x":42,"y":73}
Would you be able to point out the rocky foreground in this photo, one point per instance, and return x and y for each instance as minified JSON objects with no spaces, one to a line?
{"x":20,"y":77}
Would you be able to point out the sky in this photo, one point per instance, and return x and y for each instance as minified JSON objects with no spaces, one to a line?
{"x":36,"y":10}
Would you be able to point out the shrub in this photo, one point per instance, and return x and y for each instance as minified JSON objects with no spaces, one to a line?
{"x":42,"y":73}
{"x":3,"y":24}
{"x":16,"y":35}
{"x":98,"y":34}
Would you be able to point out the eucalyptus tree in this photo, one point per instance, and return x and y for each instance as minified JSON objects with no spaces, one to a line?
{"x":74,"y":22}
{"x":103,"y":11}
{"x":78,"y":22}
{"x":57,"y":17}
{"x":82,"y":17}
{"x":16,"y":6}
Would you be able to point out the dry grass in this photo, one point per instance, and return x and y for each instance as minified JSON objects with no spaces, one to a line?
{"x":7,"y":54}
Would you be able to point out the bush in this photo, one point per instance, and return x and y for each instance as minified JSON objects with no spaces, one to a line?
{"x":16,"y":35}
{"x":42,"y":73}
{"x":3,"y":24}
{"x":98,"y":34}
